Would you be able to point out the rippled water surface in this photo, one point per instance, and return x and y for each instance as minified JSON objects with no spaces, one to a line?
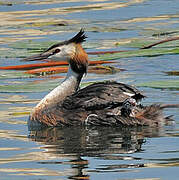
{"x":27,"y":27}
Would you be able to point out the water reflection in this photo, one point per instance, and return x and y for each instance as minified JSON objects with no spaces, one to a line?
{"x":106,"y":143}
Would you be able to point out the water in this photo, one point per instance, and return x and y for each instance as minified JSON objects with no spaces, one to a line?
{"x":86,"y":153}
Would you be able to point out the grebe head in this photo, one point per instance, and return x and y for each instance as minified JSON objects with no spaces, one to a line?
{"x":127,"y":107}
{"x":69,"y":50}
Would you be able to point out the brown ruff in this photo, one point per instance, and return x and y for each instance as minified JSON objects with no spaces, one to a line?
{"x":79,"y":61}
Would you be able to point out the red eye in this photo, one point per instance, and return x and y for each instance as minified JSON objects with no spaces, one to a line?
{"x":56,"y":51}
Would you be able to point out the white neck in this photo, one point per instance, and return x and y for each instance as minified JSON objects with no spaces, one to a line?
{"x":66,"y":88}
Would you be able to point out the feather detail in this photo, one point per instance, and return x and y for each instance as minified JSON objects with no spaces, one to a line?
{"x":79,"y":38}
{"x":79,"y":60}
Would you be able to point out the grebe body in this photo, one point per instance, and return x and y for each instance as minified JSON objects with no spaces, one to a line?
{"x":102,"y":103}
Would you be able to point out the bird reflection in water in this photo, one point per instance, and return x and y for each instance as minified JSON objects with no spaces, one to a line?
{"x":76,"y":143}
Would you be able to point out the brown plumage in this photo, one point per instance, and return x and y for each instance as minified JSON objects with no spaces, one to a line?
{"x":95,"y":99}
{"x":103,"y":103}
{"x":86,"y":107}
{"x":79,"y":60}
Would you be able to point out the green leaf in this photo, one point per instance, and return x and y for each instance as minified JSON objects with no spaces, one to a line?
{"x":32,"y":45}
{"x":139,"y":53}
{"x":28,"y":87}
{"x":14,"y":74}
{"x":169,"y":84}
{"x":24,"y":88}
{"x":141,"y":42}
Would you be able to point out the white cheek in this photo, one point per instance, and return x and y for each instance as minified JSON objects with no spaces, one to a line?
{"x":68,"y":50}
{"x":60,"y":57}
{"x":65,"y":54}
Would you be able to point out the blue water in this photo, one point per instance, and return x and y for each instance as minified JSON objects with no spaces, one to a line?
{"x":87,"y":153}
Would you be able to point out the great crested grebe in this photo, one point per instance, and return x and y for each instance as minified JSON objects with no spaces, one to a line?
{"x":101,"y":103}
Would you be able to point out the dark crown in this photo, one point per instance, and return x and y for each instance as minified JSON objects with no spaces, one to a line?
{"x":79,"y":38}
